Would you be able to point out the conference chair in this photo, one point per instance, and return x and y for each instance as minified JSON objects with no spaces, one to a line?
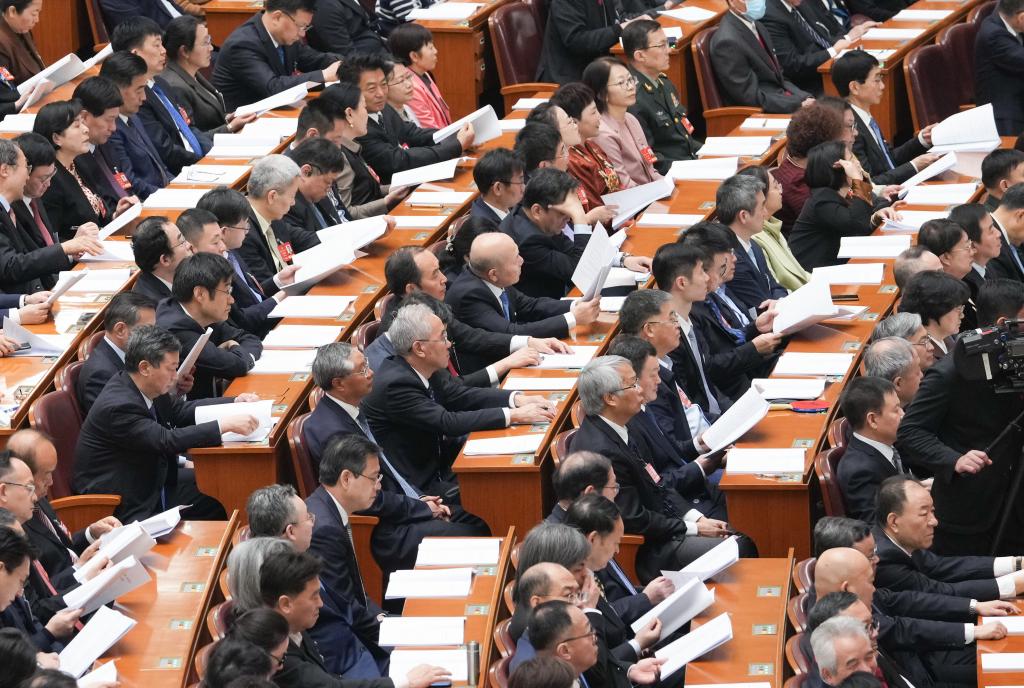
{"x":503,"y":639}
{"x":507,"y":595}
{"x":202,"y":658}
{"x":100,"y":35}
{"x":927,"y":71}
{"x":720,"y":118}
{"x":560,"y":445}
{"x":803,"y":574}
{"x":958,"y":41}
{"x":576,"y":414}
{"x":219,"y":618}
{"x":798,"y":660}
{"x":981,"y":11}
{"x":66,"y":380}
{"x":498,"y":673}
{"x":381,"y":307}
{"x":795,"y":681}
{"x":839,"y":432}
{"x":88,"y":344}
{"x":825,"y":465}
{"x":517,"y":38}
{"x":365,"y":334}
{"x":797,"y":610}
{"x":540,"y":9}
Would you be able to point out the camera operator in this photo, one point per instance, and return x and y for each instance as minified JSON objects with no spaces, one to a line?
{"x":947,"y":432}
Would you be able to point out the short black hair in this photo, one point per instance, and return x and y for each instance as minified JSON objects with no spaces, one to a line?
{"x":345,"y":94}
{"x":940,"y":235}
{"x":122,"y":68}
{"x":206,"y":270}
{"x":263,"y":627}
{"x":345,"y":453}
{"x":15,"y":549}
{"x":320,"y":154}
{"x":821,"y":171}
{"x":593,"y":513}
{"x":838,"y":531}
{"x":892,"y":496}
{"x":286,"y":573}
{"x":496,"y":165}
{"x":575,"y":96}
{"x":353,"y":67}
{"x":596,"y":75}
{"x":97,"y":94}
{"x":400,"y":269}
{"x":38,"y":151}
{"x":969,"y":216}
{"x":537,"y":142}
{"x":49,"y":678}
{"x":150,"y":242}
{"x":290,"y":6}
{"x":132,"y":32}
{"x":193,"y":221}
{"x":549,"y":621}
{"x":571,"y":478}
{"x":124,"y":307}
{"x":864,"y":395}
{"x":548,"y":187}
{"x":998,"y":165}
{"x":854,"y":65}
{"x":54,"y":118}
{"x":229,"y":205}
{"x":674,"y":260}
{"x":636,"y":35}
{"x":999,"y":298}
{"x":180,"y":33}
{"x":543,"y":672}
{"x":633,"y":349}
{"x":1013,"y":199}
{"x":710,"y":237}
{"x":19,"y":655}
{"x":231,"y":659}
{"x":832,"y":604}
{"x":320,"y":114}
{"x":150,"y":343}
{"x":933,"y":293}
{"x":406,"y":38}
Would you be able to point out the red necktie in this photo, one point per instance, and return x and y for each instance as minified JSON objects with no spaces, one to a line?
{"x":44,"y":233}
{"x":451,"y":368}
{"x":42,"y":574}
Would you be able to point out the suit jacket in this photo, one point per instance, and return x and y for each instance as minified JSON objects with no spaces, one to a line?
{"x":687,"y":375}
{"x":877,"y":10}
{"x":730,"y":365}
{"x":394,"y":144}
{"x":998,"y":57}
{"x":249,"y":67}
{"x":925,"y":571}
{"x":213,"y":362}
{"x":346,"y":652}
{"x":1004,"y":265}
{"x":97,"y":171}
{"x":872,"y":159}
{"x":251,"y":312}
{"x":19,"y":615}
{"x":480,"y":209}
{"x":301,"y":217}
{"x":548,"y":261}
{"x":164,"y":132}
{"x":18,"y":53}
{"x":52,"y":546}
{"x":576,"y":34}
{"x":381,"y":349}
{"x":304,"y":668}
{"x":343,"y":27}
{"x":132,"y":150}
{"x":474,"y":303}
{"x":256,"y":253}
{"x":101,"y":365}
{"x":65,"y":202}
{"x":421,"y":429}
{"x":150,"y":285}
{"x":974,"y":280}
{"x":26,"y":264}
{"x":124,"y":450}
{"x":826,"y":218}
{"x":668,"y":411}
{"x":685,"y":477}
{"x":201,"y":98}
{"x":799,"y":55}
{"x":116,"y":11}
{"x":629,"y":602}
{"x":746,"y":72}
{"x":860,"y":474}
{"x":753,"y":284}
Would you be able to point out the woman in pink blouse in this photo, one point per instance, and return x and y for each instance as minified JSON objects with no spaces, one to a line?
{"x":413,"y":46}
{"x":620,"y":136}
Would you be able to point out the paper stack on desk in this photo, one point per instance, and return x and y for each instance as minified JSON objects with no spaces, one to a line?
{"x":678,"y":220}
{"x":113,"y":252}
{"x":107,"y":586}
{"x":418,"y":221}
{"x":631,"y":201}
{"x":514,"y":444}
{"x":689,"y":14}
{"x":447,"y":11}
{"x":455,"y":661}
{"x":993,"y":662}
{"x":422,"y":631}
{"x":356,"y":234}
{"x":455,"y":551}
{"x":243,"y":146}
{"x":804,"y":307}
{"x":694,"y":644}
{"x":174,"y":198}
{"x":18,"y":124}
{"x":773,"y":388}
{"x":121,"y":221}
{"x":301,"y":336}
{"x":688,"y":600}
{"x":528,"y":103}
{"x":534,"y":384}
{"x":261,"y":410}
{"x":709,"y":564}
{"x":801,"y":363}
{"x":286,"y":98}
{"x":426,"y":583}
{"x":579,"y":357}
{"x":773,"y":461}
{"x":433,"y":172}
{"x":438,"y":197}
{"x":921,"y":15}
{"x":940,"y":194}
{"x":766,"y":123}
{"x":272,"y":127}
{"x":747,"y":412}
{"x":102,"y":631}
{"x":325,"y":307}
{"x":911,"y":220}
{"x":888,"y":246}
{"x":211,"y":174}
{"x":850,"y":273}
{"x":164,"y":522}
{"x":92,"y":281}
{"x":715,"y":169}
{"x":744,"y":146}
{"x":1014,"y":624}
{"x":878,"y":34}
{"x":278,"y":362}
{"x":318,"y":262}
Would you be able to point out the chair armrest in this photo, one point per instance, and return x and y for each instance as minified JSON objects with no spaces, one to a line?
{"x":81,"y":511}
{"x":721,"y":121}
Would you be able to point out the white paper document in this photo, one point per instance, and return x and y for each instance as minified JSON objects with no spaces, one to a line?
{"x":970,"y":130}
{"x":427,"y":583}
{"x":131,"y":540}
{"x":446,"y":11}
{"x":612,"y":304}
{"x":485,"y":128}
{"x":106,"y":674}
{"x":107,"y":51}
{"x":992,"y":662}
{"x":38,"y":344}
{"x":941,"y":194}
{"x":887,"y":246}
{"x":688,"y":600}
{"x":879,"y":54}
{"x":1014,"y":624}
{"x":107,"y":586}
{"x":454,"y":551}
{"x":272,"y":127}
{"x":695,"y":644}
{"x":515,"y":444}
{"x":102,"y":631}
{"x":356,"y":234}
{"x":579,"y":357}
{"x":428,"y":173}
{"x":164,"y":522}
{"x":800,"y":363}
{"x":850,"y":273}
{"x":438,"y":197}
{"x":528,"y":103}
{"x":943,"y":164}
{"x":709,"y":564}
{"x":211,"y":174}
{"x":689,"y":14}
{"x":511,"y":124}
{"x":624,"y":277}
{"x":286,"y":98}
{"x":772,"y":388}
{"x":260,"y":410}
{"x":242,"y":146}
{"x":326,"y":307}
{"x":766,"y":123}
{"x":679,"y":220}
{"x":60,"y":72}
{"x":878,"y":34}
{"x":422,"y":630}
{"x":809,"y":304}
{"x":301,"y":336}
{"x":706,"y":168}
{"x":455,"y":661}
{"x":921,"y":15}
{"x":756,"y":461}
{"x":729,"y":146}
{"x":113,"y":252}
{"x":597,"y":257}
{"x":418,"y":221}
{"x":631,"y":201}
{"x":748,"y":410}
{"x":18,"y":124}
{"x":536,"y":384}
{"x":121,"y":221}
{"x":174,"y":198}
{"x":279,"y":362}
{"x":185,"y":365}
{"x":318,"y":262}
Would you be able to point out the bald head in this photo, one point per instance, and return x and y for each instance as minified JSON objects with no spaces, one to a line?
{"x":844,"y":569}
{"x":39,"y":454}
{"x":545,"y":581}
{"x":494,"y":257}
{"x":912,"y":261}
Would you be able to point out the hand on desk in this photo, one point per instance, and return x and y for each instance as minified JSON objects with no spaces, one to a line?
{"x":549,"y":345}
{"x":246,"y":397}
{"x":424,"y":675}
{"x":330,"y":72}
{"x":637,"y":263}
{"x":242,"y":425}
{"x":649,"y":635}
{"x":646,"y":671}
{"x":659,"y":589}
{"x":62,"y":624}
{"x":586,"y":312}
{"x":711,"y":527}
{"x":990,"y":631}
{"x":7,"y":346}
{"x":103,"y":526}
{"x":1001,"y":607}
{"x":437,"y":507}
{"x":972,"y":462}
{"x":890,"y":213}
{"x":527,"y":415}
{"x":525,"y":357}
{"x":33,"y":313}
{"x":396,"y":194}
{"x":236,"y":122}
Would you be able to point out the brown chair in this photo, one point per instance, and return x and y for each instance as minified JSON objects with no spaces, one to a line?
{"x":839,"y":432}
{"x":314,"y":397}
{"x":825,"y":464}
{"x":302,"y":462}
{"x":240,"y":536}
{"x":626,"y":558}
{"x":795,"y":655}
{"x":576,"y":414}
{"x":560,"y":446}
{"x":980,"y":12}
{"x":88,"y":344}
{"x":373,"y":577}
{"x":217,"y":620}
{"x":381,"y":307}
{"x":503,"y":639}
{"x":958,"y":40}
{"x":202,"y":658}
{"x":498,"y":673}
{"x":222,"y":582}
{"x":795,"y":681}
{"x":540,"y":10}
{"x":517,"y":37}
{"x":438,"y":247}
{"x":508,"y":595}
{"x":803,"y":575}
{"x":100,"y":35}
{"x":720,"y":118}
{"x":66,"y":378}
{"x":927,"y":71}
{"x":57,"y":415}
{"x":514,"y":556}
{"x":797,"y":611}
{"x":80,"y":511}
{"x":365,"y":334}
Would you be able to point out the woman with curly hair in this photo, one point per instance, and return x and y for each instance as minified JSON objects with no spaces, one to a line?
{"x":810,"y":126}
{"x":939,"y":298}
{"x":587,"y":160}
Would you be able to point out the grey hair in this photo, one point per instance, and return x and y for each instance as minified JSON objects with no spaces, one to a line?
{"x":598,"y":378}
{"x":269,"y":510}
{"x":331,"y":361}
{"x":639,"y":307}
{"x":7,"y":518}
{"x":889,"y":358}
{"x":902,"y":325}
{"x":556,"y":543}
{"x":411,"y":324}
{"x":823,"y":640}
{"x":738,"y":192}
{"x":272,"y":173}
{"x":244,"y":564}
{"x":8,"y":152}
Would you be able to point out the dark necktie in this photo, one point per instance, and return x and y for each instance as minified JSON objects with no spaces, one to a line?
{"x":319,"y":216}
{"x":739,"y":336}
{"x":179,"y":122}
{"x":771,"y":56}
{"x":506,"y":307}
{"x":108,"y":174}
{"x":897,"y":461}
{"x":44,"y":232}
{"x":142,"y":139}
{"x":402,"y":482}
{"x":622,"y":577}
{"x":880,"y":140}
{"x":816,"y":37}
{"x":241,"y":275}
{"x":357,"y":576}
{"x":280,"y":54}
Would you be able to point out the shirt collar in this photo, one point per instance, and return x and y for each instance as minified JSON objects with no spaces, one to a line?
{"x":939,"y":343}
{"x":375,"y":116}
{"x":112,"y":345}
{"x":263,"y":222}
{"x":620,"y":430}
{"x":497,"y":211}
{"x":883,"y":449}
{"x":746,"y":22}
{"x":902,"y":548}
{"x":425,"y":381}
{"x":349,"y":408}
{"x":665,"y":363}
{"x":340,"y":508}
{"x":980,"y":269}
{"x":1008,"y":27}
{"x":864,"y":115}
{"x":497,"y":291}
{"x":5,"y":204}
{"x":123,"y":117}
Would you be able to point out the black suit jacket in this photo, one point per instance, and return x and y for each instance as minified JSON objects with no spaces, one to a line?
{"x":925,"y":571}
{"x":365,"y":187}
{"x":730,"y":365}
{"x":116,"y":11}
{"x":381,"y":349}
{"x":164,"y":133}
{"x":202,"y":100}
{"x":422,"y":435}
{"x":687,"y":374}
{"x":213,"y":362}
{"x":629,"y":603}
{"x":52,"y":545}
{"x":19,"y":615}
{"x":256,"y":253}
{"x":101,"y":365}
{"x":251,"y":312}
{"x":26,"y":264}
{"x":798,"y":54}
{"x":998,"y":60}
{"x":860,"y":474}
{"x":474,"y":304}
{"x":548,"y":261}
{"x":480,"y":209}
{"x":151,"y":286}
{"x":1004,"y":265}
{"x":872,"y":159}
{"x":304,"y":668}
{"x":577,"y":33}
{"x":745,"y":72}
{"x":398,"y":145}
{"x":132,"y":150}
{"x":123,"y":450}
{"x":249,"y":67}
{"x":752,"y":284}
{"x":826,"y":218}
{"x":668,"y":410}
{"x":65,"y":203}
{"x":90,"y":169}
{"x":302,"y":218}
{"x":343,"y":27}
{"x":878,"y":10}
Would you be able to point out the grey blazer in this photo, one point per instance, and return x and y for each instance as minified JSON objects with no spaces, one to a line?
{"x":205,"y":102}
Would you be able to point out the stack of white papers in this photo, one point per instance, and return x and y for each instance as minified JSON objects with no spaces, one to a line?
{"x":711,"y":168}
{"x":300,"y":336}
{"x":511,"y":124}
{"x":428,"y":173}
{"x":941,"y":194}
{"x":789,"y":388}
{"x":286,"y":98}
{"x":165,"y":522}
{"x":612,"y":304}
{"x":709,"y":564}
{"x":453,"y":551}
{"x":426,"y":583}
{"x":809,"y":304}
{"x":689,"y":14}
{"x":260,"y":410}
{"x":888,"y":246}
{"x":60,"y":72}
{"x":104,"y":629}
{"x":272,"y":127}
{"x":438,"y":197}
{"x":911,"y":220}
{"x":688,"y":600}
{"x":631,"y":201}
{"x":766,"y":123}
{"x":921,"y":15}
{"x":694,"y":644}
{"x":172,"y":198}
{"x":748,"y":410}
{"x":420,"y":631}
{"x":744,"y":146}
{"x":535,"y":384}
{"x":318,"y":262}
{"x":107,"y":51}
{"x":131,"y":540}
{"x":943,"y":164}
{"x":121,"y":220}
{"x":93,"y":281}
{"x":624,"y":277}
{"x":515,"y":444}
{"x":801,"y":363}
{"x":327,"y":307}
{"x":356,"y":234}
{"x":1002,"y":661}
{"x":455,"y":661}
{"x":211,"y":174}
{"x":680,"y":220}
{"x":107,"y":586}
{"x":528,"y":103}
{"x":756,"y":461}
{"x":243,"y":146}
{"x":850,"y":273}
{"x":447,"y":11}
{"x":485,"y":127}
{"x":879,"y":54}
{"x":18,"y":124}
{"x":113,"y":252}
{"x":579,"y":357}
{"x":591,"y":271}
{"x":276,"y":362}
{"x":1014,"y":624}
{"x":105,"y":675}
{"x":38,"y":344}
{"x":877,"y":34}
{"x":418,"y":221}
{"x":970,"y":130}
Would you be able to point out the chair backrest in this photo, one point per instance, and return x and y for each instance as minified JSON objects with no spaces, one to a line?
{"x":365,"y":334}
{"x":302,"y":462}
{"x":514,"y":555}
{"x":839,"y":432}
{"x":540,"y":10}
{"x":561,"y":445}
{"x":795,"y":681}
{"x":217,"y":619}
{"x":508,"y":595}
{"x":381,"y":307}
{"x":88,"y":344}
{"x":100,"y":35}
{"x":56,"y":414}
{"x":576,"y":414}
{"x":803,"y":574}
{"x":958,"y":40}
{"x":315,"y":396}
{"x":202,"y":658}
{"x":798,"y":660}
{"x":927,"y":70}
{"x":981,"y":11}
{"x":66,"y":379}
{"x":498,"y":673}
{"x":438,"y":247}
{"x":825,"y":464}
{"x":517,"y":39}
{"x":503,"y":638}
{"x":706,"y":80}
{"x":797,"y":611}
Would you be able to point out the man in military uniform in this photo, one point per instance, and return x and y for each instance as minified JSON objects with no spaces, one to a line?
{"x":658,"y":106}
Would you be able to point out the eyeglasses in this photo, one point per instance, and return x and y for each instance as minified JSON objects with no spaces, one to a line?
{"x":510,"y":182}
{"x":443,"y":339}
{"x":400,"y":80}
{"x":223,"y":291}
{"x":613,"y":488}
{"x":240,"y":228}
{"x":378,"y":479}
{"x":673,"y":317}
{"x":657,"y":46}
{"x":303,"y":28}
{"x":634,"y":385}
{"x":310,"y":517}
{"x":29,"y":487}
{"x":625,"y":84}
{"x":924,"y":343}
{"x":278,"y":661}
{"x":592,"y":634}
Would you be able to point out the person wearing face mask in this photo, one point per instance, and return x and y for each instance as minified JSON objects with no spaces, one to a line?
{"x":745,"y":65}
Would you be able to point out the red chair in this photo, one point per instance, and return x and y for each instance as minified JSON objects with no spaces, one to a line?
{"x":57,"y":415}
{"x":560,"y":446}
{"x":218,"y":619}
{"x":803,"y":575}
{"x":88,"y":344}
{"x":839,"y":432}
{"x":203,"y":658}
{"x":503,"y":639}
{"x":365,"y":334}
{"x":302,"y":463}
{"x":797,"y":611}
{"x":514,"y":556}
{"x":720,"y":118}
{"x":540,"y":9}
{"x":825,"y":465}
{"x":958,"y":40}
{"x":927,"y":72}
{"x":66,"y":380}
{"x":795,"y":655}
{"x":795,"y":681}
{"x":507,"y":594}
{"x":314,"y":397}
{"x":980,"y":12}
{"x":498,"y":673}
{"x":576,"y":414}
{"x":381,"y":307}
{"x":517,"y":37}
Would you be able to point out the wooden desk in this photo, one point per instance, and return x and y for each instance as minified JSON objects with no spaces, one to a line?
{"x":63,"y":28}
{"x":224,"y":16}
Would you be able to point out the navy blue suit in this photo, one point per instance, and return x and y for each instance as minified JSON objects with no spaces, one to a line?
{"x":998,"y":61}
{"x":134,"y":153}
{"x":103,"y":363}
{"x":753,"y":284}
{"x":163,"y":130}
{"x":480,"y":209}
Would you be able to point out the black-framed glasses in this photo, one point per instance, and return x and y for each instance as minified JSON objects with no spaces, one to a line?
{"x":444,"y":338}
{"x":223,"y":291}
{"x":635,"y":385}
{"x":240,"y":228}
{"x":510,"y":182}
{"x":592,"y":634}
{"x":278,"y":661}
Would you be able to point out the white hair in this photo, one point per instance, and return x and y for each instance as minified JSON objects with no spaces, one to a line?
{"x":271,"y":173}
{"x":411,"y":324}
{"x":598,"y":378}
{"x":823,"y":640}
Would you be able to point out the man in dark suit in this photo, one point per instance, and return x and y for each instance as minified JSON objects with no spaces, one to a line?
{"x":131,"y":439}
{"x":499,"y":177}
{"x":904,"y":534}
{"x":344,"y":28}
{"x":101,"y":104}
{"x":391,"y":144}
{"x":857,"y":77}
{"x":159,"y":248}
{"x":201,"y":299}
{"x":421,"y":415}
{"x":745,"y":66}
{"x":271,"y":242}
{"x":872,"y":407}
{"x":266,"y":55}
{"x":1001,"y":169}
{"x":1008,"y":218}
{"x":537,"y":584}
{"x":320,"y":162}
{"x":130,"y":148}
{"x":998,"y":57}
{"x":117,"y":11}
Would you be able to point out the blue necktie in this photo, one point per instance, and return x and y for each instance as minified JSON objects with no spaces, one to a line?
{"x":319,"y":216}
{"x":280,"y":53}
{"x":880,"y":140}
{"x":402,"y":482}
{"x":241,"y":275}
{"x":731,"y":303}
{"x":623,"y":578}
{"x":809,"y":30}
{"x":183,"y":128}
{"x":738,"y":335}
{"x":505,"y":306}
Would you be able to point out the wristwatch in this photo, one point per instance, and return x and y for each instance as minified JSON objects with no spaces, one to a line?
{"x":622,"y":260}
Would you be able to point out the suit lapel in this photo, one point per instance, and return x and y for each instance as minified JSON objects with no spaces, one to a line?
{"x":268,"y":48}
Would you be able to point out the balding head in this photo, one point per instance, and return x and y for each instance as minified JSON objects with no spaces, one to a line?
{"x":912,"y":261}
{"x":39,"y":453}
{"x":545,"y":581}
{"x":844,"y":569}
{"x":494,"y":257}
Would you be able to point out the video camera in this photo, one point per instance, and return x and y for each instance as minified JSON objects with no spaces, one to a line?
{"x":994,"y":354}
